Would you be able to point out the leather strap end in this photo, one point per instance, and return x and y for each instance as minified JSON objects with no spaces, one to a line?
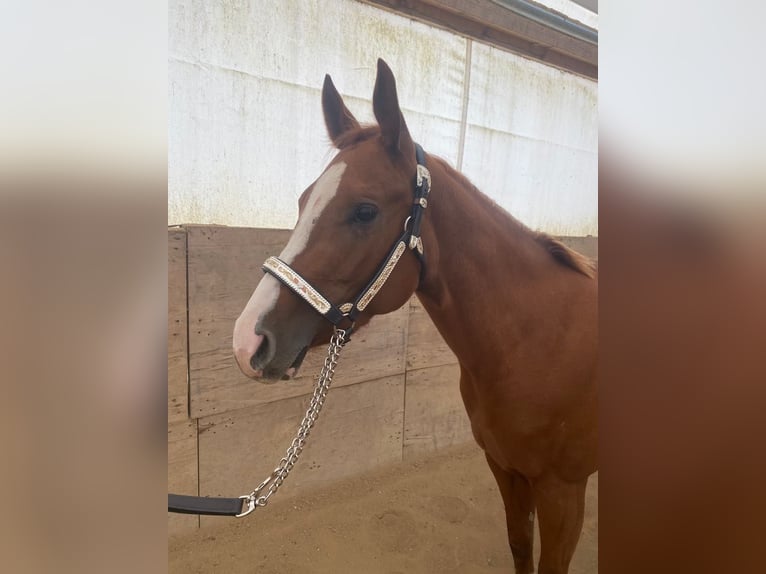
{"x":183,"y":504}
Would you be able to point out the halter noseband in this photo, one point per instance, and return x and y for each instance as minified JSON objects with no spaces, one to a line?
{"x":410,"y":238}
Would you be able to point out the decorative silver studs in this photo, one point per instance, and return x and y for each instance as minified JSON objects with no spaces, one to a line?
{"x":346,"y":307}
{"x":380,"y":281}
{"x":423,"y":173}
{"x":297,"y":284}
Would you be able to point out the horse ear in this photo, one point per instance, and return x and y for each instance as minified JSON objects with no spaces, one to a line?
{"x":337,"y":118}
{"x":385,"y":104}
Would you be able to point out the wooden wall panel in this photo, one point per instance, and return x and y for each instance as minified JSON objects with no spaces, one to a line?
{"x":245,"y":426}
{"x":588,"y":246}
{"x":178,"y":390}
{"x":224,"y":268}
{"x":182,"y":470}
{"x":377,"y":350}
{"x":425,"y":346}
{"x":435,"y":417}
{"x":359,"y":429}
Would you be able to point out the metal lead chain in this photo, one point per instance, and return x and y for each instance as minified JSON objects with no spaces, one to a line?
{"x":322,"y":386}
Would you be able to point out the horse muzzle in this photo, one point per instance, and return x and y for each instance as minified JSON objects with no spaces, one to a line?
{"x":267,"y":353}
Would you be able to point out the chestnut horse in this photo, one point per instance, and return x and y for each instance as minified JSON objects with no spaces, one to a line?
{"x":517,"y":307}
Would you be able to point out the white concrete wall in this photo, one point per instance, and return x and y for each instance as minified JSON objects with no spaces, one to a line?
{"x":531,"y":142}
{"x":246,"y":134}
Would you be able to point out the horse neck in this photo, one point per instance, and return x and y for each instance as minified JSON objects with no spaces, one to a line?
{"x":484,"y":285}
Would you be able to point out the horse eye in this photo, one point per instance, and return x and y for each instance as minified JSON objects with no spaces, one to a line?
{"x":365,"y":213}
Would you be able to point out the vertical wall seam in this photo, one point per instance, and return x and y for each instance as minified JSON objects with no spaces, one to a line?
{"x":406,"y":370}
{"x":186,"y":305}
{"x":464,"y":110}
{"x":195,"y":422}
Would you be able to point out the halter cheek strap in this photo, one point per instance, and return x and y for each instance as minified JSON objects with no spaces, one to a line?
{"x":410,"y":238}
{"x":422,"y":189}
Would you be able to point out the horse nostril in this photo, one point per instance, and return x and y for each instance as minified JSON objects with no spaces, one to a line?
{"x":263,"y":354}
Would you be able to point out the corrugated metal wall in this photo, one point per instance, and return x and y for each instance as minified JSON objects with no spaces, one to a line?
{"x":246,"y":134}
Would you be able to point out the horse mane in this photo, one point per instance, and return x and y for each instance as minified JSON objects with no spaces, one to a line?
{"x":566,"y":256}
{"x":560,"y":252}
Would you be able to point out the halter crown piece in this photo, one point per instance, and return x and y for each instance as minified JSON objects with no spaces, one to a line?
{"x":410,"y":238}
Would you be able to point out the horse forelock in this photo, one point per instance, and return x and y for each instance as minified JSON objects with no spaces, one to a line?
{"x":356,"y":135}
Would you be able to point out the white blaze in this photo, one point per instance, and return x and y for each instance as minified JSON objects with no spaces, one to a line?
{"x":266,"y":293}
{"x":324,"y":190}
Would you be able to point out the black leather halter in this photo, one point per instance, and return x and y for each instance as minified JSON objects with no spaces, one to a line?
{"x":410,"y":238}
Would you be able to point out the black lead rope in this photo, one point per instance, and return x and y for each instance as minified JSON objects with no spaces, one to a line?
{"x":218,"y":506}
{"x":183,"y":504}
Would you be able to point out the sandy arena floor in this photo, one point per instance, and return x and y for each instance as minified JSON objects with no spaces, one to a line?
{"x":441,"y":515}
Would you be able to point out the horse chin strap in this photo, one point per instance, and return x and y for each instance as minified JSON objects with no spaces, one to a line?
{"x":410,"y":239}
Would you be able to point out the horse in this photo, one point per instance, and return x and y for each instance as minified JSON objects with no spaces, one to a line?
{"x":517,"y":307}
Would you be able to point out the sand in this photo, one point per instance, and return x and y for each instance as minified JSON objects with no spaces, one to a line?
{"x":440,"y":515}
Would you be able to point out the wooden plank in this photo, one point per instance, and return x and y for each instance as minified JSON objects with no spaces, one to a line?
{"x":588,"y":246}
{"x":425,"y":346}
{"x":493,"y":24}
{"x":224,"y":268}
{"x":377,"y":350}
{"x":178,"y":389}
{"x":434,"y":415}
{"x":182,"y":470}
{"x":360,"y":429}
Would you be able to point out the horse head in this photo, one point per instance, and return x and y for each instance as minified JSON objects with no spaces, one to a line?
{"x":349,"y":218}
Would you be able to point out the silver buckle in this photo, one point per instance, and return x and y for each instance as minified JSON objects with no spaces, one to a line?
{"x":346,"y":308}
{"x":416,"y":243}
{"x":421,"y":174}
